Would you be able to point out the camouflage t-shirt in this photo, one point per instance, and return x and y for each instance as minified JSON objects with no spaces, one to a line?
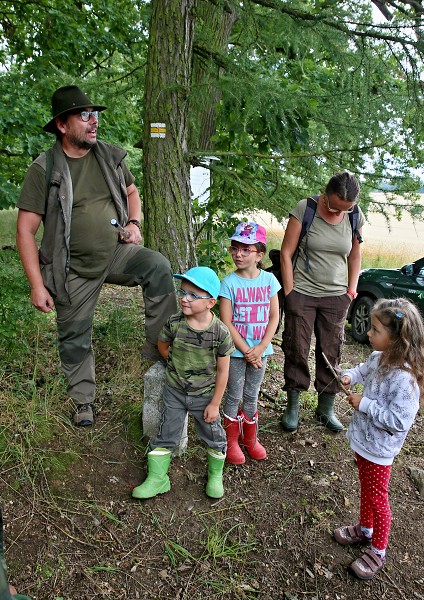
{"x":193,"y":354}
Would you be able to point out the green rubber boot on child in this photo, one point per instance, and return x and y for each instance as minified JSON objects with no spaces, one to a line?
{"x":215,"y":487}
{"x":157,"y":481}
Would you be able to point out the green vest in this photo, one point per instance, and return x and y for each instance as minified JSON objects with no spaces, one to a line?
{"x":54,"y":254}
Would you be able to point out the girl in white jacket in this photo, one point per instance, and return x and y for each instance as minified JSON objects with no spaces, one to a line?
{"x":393,"y":380}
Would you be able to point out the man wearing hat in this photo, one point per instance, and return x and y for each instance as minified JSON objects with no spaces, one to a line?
{"x":76,"y":188}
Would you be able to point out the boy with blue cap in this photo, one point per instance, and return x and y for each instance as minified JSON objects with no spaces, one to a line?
{"x":197,"y":347}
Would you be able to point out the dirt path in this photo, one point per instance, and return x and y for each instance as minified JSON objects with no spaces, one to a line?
{"x":79,"y":535}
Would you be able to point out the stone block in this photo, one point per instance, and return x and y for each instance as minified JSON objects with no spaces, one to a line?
{"x":154,"y":381}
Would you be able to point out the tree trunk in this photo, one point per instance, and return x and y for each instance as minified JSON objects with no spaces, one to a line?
{"x":168,"y":223}
{"x":218,"y":21}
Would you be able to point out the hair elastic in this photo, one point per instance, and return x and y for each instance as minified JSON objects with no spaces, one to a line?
{"x":399,"y":315}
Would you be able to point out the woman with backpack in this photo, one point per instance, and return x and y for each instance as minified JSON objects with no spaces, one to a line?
{"x":319,"y":276}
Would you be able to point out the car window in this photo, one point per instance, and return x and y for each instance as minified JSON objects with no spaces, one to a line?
{"x":419,"y":267}
{"x":420,"y":278}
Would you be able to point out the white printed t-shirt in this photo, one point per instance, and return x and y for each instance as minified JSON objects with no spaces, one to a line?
{"x":250,"y":299}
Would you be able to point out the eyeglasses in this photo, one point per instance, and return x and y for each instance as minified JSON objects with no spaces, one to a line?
{"x":86,"y":115}
{"x":191,"y":296}
{"x":337,"y":210}
{"x":234,"y":250}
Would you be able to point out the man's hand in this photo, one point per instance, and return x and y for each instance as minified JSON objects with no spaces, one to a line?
{"x":41,"y":299}
{"x":211,"y":413}
{"x":134,"y":234}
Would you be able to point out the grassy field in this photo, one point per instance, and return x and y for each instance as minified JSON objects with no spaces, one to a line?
{"x":8,"y":227}
{"x":375,"y":254}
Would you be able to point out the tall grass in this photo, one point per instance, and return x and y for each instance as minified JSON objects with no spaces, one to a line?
{"x":8,"y":226}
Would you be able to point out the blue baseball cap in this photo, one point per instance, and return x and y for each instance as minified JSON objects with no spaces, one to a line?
{"x":204,"y":278}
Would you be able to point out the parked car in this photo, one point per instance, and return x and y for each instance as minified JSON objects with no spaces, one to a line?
{"x":407,"y":282}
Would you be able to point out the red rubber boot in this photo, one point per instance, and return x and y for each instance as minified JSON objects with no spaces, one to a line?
{"x":250,"y":438}
{"x":232,"y":428}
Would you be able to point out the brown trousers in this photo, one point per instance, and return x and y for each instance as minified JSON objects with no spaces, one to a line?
{"x":325,"y":317}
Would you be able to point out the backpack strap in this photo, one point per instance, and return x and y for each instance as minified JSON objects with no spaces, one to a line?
{"x":308,"y":217}
{"x":49,"y":170}
{"x":353,"y":218}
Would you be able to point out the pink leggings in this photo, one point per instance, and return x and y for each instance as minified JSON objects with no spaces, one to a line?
{"x":375,"y":507}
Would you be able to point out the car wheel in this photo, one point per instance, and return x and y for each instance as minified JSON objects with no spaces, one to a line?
{"x":361,"y":318}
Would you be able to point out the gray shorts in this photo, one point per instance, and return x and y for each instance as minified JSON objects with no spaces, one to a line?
{"x":176,"y":405}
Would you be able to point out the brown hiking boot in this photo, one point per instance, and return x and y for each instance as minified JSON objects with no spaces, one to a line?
{"x":83,"y":415}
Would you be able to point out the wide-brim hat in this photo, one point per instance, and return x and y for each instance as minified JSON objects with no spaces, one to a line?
{"x":67,"y":99}
{"x":203,"y":278}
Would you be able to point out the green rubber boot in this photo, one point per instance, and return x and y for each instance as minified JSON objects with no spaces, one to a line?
{"x":290,"y":418}
{"x":215,"y":487}
{"x":157,"y":481}
{"x":325,"y":412}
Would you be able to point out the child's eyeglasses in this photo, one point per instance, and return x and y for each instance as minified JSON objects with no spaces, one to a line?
{"x":191,"y":296}
{"x":234,"y":250}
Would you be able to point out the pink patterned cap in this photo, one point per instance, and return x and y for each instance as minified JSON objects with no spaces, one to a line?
{"x":249,"y":233}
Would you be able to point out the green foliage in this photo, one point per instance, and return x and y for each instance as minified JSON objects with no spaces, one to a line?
{"x":313,"y":102}
{"x":303,"y":89}
{"x":214,"y":228}
{"x":15,"y":308}
{"x":100,"y":47}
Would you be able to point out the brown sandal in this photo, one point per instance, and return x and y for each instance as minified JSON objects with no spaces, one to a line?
{"x":350,"y":535}
{"x":368,"y":565}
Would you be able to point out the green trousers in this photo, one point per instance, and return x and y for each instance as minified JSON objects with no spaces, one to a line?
{"x":131,"y":266}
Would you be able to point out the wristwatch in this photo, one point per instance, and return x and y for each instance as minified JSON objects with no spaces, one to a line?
{"x":135,"y":222}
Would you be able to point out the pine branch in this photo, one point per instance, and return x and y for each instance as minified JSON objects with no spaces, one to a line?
{"x":340,"y":26}
{"x":197,"y":153}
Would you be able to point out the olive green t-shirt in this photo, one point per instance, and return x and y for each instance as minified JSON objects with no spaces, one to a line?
{"x":193,"y":354}
{"x":328,"y":247}
{"x":93,"y":239}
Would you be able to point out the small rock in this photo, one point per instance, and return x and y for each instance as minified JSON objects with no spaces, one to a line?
{"x":417,"y":476}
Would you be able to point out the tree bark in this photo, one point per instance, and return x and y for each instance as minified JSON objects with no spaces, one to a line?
{"x":218,"y":23}
{"x":168,"y":223}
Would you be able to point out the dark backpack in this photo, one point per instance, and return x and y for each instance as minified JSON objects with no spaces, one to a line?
{"x":308,"y":217}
